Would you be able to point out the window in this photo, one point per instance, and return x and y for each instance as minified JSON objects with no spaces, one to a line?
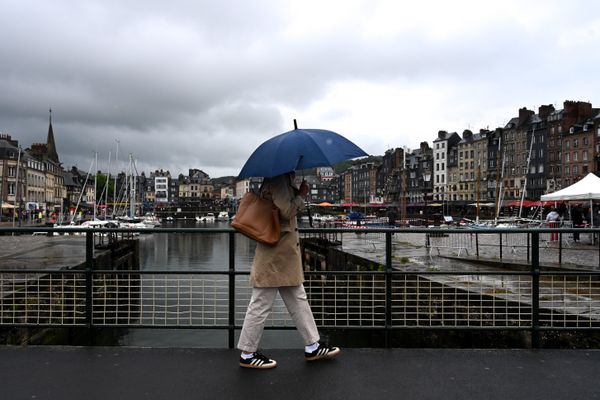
{"x":567,"y":145}
{"x":575,"y":156}
{"x":575,"y":143}
{"x":585,"y":155}
{"x":12,"y":171}
{"x":567,"y":157}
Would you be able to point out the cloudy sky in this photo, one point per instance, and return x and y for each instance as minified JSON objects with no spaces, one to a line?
{"x":199,"y":84}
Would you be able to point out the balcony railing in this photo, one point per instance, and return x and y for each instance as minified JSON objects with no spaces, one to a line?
{"x":365,"y":284}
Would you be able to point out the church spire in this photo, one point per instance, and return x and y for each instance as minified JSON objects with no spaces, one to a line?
{"x":51,"y":145}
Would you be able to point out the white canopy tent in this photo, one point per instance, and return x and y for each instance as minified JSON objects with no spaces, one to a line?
{"x":587,"y":188}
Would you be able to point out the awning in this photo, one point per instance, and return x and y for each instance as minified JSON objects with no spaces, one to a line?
{"x":7,"y":205}
{"x":482,"y":205}
{"x":517,"y":203}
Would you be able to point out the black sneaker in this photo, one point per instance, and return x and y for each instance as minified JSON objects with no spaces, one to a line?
{"x":258,"y":361}
{"x":322,"y":352}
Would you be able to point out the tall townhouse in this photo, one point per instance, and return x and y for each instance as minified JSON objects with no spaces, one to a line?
{"x":364,"y":182}
{"x":346,"y":184}
{"x":441,"y":147}
{"x":74,"y":181}
{"x":595,"y":123}
{"x":161,"y":186}
{"x":36,"y":184}
{"x":561,"y":140}
{"x":515,"y":152}
{"x":13,"y":175}
{"x":472,"y":165}
{"x":537,"y":141}
{"x":419,"y":165}
{"x":452,"y":173}
{"x":389,"y":176}
{"x":577,"y":141}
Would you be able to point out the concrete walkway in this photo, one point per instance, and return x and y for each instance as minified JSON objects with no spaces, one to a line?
{"x":88,"y":373}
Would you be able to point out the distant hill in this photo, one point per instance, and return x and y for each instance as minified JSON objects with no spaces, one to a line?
{"x":223,"y":180}
{"x":344,"y":165}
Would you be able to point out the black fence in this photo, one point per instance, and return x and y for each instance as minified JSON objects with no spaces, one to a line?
{"x":526,"y":280}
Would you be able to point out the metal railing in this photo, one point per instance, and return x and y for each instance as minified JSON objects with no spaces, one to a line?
{"x":368,"y":288}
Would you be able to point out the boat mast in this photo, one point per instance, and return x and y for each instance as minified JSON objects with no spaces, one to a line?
{"x":116,"y":176}
{"x":478,"y":188}
{"x":499,"y":173}
{"x":527,"y":171}
{"x":17,"y":186}
{"x":95,"y":184}
{"x":132,"y":188}
{"x":107,"y":185}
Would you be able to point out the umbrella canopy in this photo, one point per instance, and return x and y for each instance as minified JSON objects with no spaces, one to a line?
{"x":299,"y":149}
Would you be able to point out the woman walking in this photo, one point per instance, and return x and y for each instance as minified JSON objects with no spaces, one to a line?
{"x":278,"y":269}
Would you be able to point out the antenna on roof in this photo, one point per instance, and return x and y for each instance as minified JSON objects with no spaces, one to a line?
{"x":295,"y":124}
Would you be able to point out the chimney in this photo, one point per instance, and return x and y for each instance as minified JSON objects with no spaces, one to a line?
{"x":545,"y":111}
{"x":442,"y":134}
{"x":524,"y":115}
{"x":467,"y":134}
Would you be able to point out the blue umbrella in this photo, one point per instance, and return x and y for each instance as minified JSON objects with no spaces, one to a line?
{"x":299,"y":149}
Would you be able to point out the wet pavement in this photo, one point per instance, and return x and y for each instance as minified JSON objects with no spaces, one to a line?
{"x":410,"y":248}
{"x":65,"y":373}
{"x":41,"y":252}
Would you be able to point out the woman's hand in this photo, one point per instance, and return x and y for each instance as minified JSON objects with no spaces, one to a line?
{"x":303,"y":189}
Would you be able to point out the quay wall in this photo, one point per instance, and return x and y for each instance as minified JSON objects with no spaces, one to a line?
{"x":420,"y":302}
{"x":60,"y":297}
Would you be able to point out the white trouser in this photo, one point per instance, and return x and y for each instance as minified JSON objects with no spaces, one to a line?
{"x":260,"y":307}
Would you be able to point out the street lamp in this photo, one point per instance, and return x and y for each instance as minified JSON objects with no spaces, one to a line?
{"x":426,"y":179}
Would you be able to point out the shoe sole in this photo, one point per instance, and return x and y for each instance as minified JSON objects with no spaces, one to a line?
{"x":328,"y":356}
{"x":264,"y":366}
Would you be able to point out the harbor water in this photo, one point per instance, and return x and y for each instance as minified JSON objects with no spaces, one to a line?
{"x":197,"y":252}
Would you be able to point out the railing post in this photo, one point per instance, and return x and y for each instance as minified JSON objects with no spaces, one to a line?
{"x":528,"y":241}
{"x":89,"y":266}
{"x":560,"y":248}
{"x":477,"y":243}
{"x":501,"y":246}
{"x":231,"y":329}
{"x":535,"y":290}
{"x":388,"y":287}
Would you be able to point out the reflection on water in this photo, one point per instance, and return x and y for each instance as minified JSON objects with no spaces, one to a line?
{"x":194,"y":252}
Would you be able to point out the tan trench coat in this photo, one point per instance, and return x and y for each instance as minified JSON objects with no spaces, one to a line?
{"x":280,"y":265}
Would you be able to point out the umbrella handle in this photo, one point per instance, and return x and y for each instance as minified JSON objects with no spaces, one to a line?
{"x":310,"y":222}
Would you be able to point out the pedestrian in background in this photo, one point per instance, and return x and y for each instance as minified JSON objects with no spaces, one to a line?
{"x":577,"y":219}
{"x":552,"y":221}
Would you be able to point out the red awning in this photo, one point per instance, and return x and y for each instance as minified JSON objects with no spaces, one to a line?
{"x":517,"y":203}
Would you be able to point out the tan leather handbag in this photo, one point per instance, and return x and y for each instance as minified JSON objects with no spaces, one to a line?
{"x":258,"y":219}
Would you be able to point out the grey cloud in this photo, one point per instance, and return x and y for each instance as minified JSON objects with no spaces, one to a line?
{"x":200,"y":83}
